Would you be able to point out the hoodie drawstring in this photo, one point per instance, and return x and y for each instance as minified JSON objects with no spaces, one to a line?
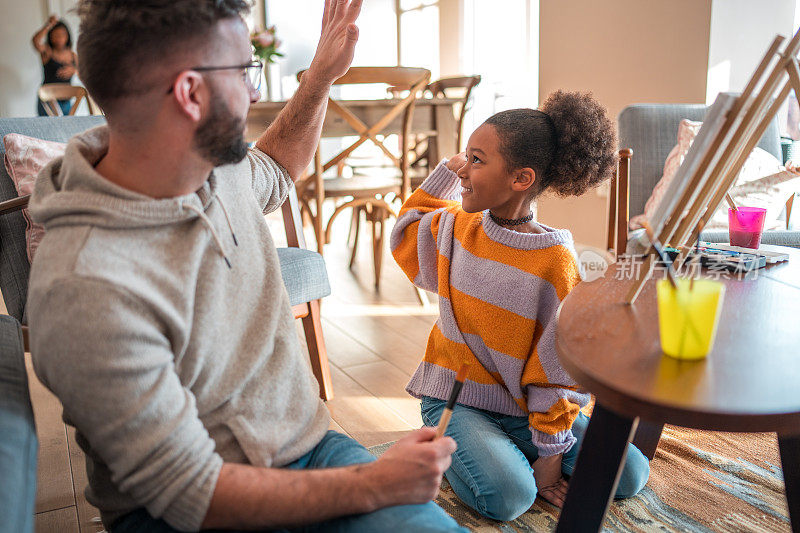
{"x":230,"y":226}
{"x":212,"y":229}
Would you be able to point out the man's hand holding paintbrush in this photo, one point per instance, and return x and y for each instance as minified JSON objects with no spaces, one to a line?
{"x":414,"y":467}
{"x":411,"y":470}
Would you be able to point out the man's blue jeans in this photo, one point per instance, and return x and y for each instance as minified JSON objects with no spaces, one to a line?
{"x":491,"y":470}
{"x":333,"y":450}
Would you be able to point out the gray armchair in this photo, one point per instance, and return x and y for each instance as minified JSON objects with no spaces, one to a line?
{"x":18,"y":444}
{"x":650,"y":131}
{"x":303,"y":271}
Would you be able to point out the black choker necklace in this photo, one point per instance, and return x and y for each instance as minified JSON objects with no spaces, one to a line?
{"x":511,"y":221}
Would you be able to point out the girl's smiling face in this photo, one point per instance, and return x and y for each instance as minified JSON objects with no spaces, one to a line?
{"x":486,"y":181}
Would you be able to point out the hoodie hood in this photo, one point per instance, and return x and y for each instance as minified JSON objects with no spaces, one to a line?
{"x":69,"y":191}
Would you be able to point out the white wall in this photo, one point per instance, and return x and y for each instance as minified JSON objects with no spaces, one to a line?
{"x":624,"y":51}
{"x":20,"y":67}
{"x":741,"y":31}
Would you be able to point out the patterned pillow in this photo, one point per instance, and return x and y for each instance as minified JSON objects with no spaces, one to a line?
{"x":687,"y":131}
{"x":25,"y":157}
{"x":762,"y":182}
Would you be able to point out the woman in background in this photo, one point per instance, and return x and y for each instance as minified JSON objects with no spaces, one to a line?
{"x":58,"y":60}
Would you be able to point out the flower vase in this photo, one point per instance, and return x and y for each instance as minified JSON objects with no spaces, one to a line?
{"x":266,"y":90}
{"x":272,"y":75}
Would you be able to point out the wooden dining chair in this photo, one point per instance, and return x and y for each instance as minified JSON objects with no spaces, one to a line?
{"x":367,"y":194}
{"x":446,"y":87}
{"x":457,"y":87}
{"x":51,"y":93}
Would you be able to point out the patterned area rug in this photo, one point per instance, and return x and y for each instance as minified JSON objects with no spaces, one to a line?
{"x":700,"y":481}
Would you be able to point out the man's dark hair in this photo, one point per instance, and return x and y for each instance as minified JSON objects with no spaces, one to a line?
{"x":120,"y":39}
{"x":570,"y":143}
{"x":59,"y":24}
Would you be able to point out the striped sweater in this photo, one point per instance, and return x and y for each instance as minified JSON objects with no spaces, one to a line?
{"x":499,"y":291}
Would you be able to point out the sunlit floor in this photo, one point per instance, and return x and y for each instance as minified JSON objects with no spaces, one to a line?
{"x":374,"y":340}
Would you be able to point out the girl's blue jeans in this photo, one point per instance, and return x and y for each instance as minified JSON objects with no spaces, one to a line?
{"x":491,"y":470}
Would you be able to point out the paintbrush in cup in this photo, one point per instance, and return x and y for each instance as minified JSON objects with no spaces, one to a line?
{"x":730,"y":201}
{"x":461,"y":375}
{"x":660,"y":251}
{"x":670,"y":271}
{"x":697,"y":230}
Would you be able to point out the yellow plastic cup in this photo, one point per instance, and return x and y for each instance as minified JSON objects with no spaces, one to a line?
{"x":687,"y":319}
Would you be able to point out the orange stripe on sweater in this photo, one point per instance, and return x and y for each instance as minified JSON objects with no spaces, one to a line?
{"x":533,"y":372}
{"x":422,"y":201}
{"x":443,"y":352}
{"x":558,"y":418}
{"x":500,"y":329}
{"x":406,"y":252}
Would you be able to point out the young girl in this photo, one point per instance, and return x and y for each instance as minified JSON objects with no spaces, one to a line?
{"x":468,"y":233}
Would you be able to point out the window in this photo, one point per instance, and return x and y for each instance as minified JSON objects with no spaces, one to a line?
{"x":418,"y":23}
{"x":502,"y":45}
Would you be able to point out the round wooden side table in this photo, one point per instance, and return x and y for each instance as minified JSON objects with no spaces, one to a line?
{"x":750,"y":382}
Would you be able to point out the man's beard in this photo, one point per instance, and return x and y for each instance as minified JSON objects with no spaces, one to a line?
{"x":220,"y":138}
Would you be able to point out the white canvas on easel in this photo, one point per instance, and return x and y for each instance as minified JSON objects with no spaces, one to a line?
{"x":713,"y":162}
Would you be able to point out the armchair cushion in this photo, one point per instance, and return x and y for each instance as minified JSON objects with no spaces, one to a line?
{"x":762,"y":182}
{"x":18,"y":443}
{"x":303,"y":274}
{"x":650,"y":131}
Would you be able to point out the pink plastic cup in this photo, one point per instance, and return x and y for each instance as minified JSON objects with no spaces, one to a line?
{"x":745,"y":226}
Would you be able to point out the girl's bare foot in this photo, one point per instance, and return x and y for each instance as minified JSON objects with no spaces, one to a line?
{"x":555,"y":493}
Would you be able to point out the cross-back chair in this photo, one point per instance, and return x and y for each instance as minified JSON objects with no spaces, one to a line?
{"x":51,"y":93}
{"x":459,"y":87}
{"x":365,"y":193}
{"x":444,"y":88}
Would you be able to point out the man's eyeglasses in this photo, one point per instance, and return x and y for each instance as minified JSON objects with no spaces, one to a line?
{"x":251,"y":73}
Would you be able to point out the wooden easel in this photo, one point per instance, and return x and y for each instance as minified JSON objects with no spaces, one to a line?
{"x":745,"y":123}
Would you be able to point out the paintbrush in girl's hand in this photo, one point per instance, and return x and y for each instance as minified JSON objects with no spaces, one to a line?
{"x":461,"y":375}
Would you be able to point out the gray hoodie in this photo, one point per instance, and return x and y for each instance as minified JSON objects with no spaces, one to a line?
{"x":164,"y":328}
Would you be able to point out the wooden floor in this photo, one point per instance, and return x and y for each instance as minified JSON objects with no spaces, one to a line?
{"x":374,"y":340}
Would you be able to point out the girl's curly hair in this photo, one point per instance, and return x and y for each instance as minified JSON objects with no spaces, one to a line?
{"x":570,"y":143}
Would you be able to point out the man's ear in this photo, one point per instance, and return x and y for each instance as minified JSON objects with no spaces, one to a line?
{"x":188,"y":94}
{"x":524,"y":179}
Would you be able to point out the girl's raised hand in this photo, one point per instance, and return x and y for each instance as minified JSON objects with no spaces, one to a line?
{"x":457,"y":161}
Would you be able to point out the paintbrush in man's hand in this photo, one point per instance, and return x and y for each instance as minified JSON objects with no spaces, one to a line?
{"x":461,"y":375}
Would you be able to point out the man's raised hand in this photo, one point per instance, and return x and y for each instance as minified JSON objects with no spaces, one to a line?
{"x":337,"y":41}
